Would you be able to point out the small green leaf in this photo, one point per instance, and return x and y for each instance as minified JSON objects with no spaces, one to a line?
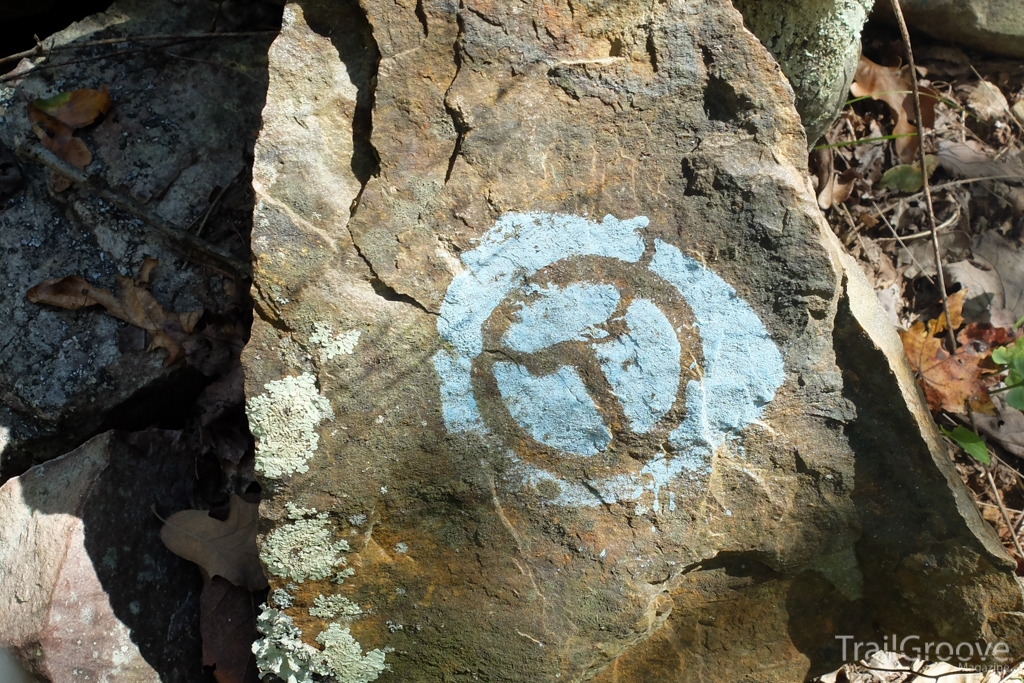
{"x":970,"y":442}
{"x":907,"y":177}
{"x":1013,"y":358}
{"x":51,"y":103}
{"x":1015,"y":398}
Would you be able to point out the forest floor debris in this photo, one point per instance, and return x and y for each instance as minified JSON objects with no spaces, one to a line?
{"x":869,"y":185}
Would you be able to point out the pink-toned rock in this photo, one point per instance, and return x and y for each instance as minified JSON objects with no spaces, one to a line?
{"x":87,"y":591}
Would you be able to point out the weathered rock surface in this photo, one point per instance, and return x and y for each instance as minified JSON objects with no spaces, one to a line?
{"x":87,"y":589}
{"x":558,"y":372}
{"x":817,"y":44}
{"x":169,"y":144}
{"x":991,"y":25}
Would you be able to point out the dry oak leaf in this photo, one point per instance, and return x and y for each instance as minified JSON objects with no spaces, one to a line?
{"x":950,"y":380}
{"x":222,"y":548}
{"x":55,"y":119}
{"x":134,"y":304}
{"x":76,"y":109}
{"x":892,"y":85}
{"x":227,"y":624}
{"x":59,"y":138}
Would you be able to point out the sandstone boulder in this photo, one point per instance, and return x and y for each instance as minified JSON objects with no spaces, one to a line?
{"x":558,"y":373}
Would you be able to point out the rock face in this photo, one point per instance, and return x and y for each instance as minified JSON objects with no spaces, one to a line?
{"x":66,"y":375}
{"x":817,"y":44}
{"x":990,"y":25}
{"x":558,"y":373}
{"x":87,"y":589}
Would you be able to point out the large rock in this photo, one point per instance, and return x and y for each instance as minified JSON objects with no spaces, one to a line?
{"x":87,"y":589}
{"x":558,"y":372}
{"x":182,"y":126}
{"x":817,"y":44}
{"x":990,"y":25}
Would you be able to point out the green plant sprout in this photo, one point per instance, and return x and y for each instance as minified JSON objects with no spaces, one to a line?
{"x":972,"y":444}
{"x":1012,"y":358}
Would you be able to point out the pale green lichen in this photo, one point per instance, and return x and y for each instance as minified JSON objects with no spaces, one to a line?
{"x":334,"y":607}
{"x":283,"y":421}
{"x":281,"y":598}
{"x":817,"y":44}
{"x":280,"y":651}
{"x":345,"y":659}
{"x":331,"y":345}
{"x":295,"y":512}
{"x":340,"y":577}
{"x":303,"y":549}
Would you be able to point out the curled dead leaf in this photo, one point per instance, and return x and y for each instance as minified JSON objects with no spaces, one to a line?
{"x":146,"y":270}
{"x":892,"y":85}
{"x":59,"y":139}
{"x":55,"y":119}
{"x":133,"y":303}
{"x":222,"y":548}
{"x":952,"y":381}
{"x":837,"y":188}
{"x":78,"y":108}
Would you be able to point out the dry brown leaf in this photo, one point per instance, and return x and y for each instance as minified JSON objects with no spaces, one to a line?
{"x":955,"y":305}
{"x":55,"y":119}
{"x":222,"y":548}
{"x":950,"y":380}
{"x":970,"y":160}
{"x":59,"y":138}
{"x":837,"y":189}
{"x":189,"y":319}
{"x":227,"y":624}
{"x":146,"y":270}
{"x":134,"y":304}
{"x":987,"y":102}
{"x":77,"y":108}
{"x":892,"y":85}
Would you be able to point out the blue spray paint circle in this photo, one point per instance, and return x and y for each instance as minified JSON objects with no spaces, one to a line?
{"x":742,"y":365}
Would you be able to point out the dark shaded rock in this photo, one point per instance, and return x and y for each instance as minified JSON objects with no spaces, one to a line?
{"x":182,"y":127}
{"x":86,"y":586}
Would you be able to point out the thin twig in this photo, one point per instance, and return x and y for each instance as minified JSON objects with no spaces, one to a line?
{"x":184,"y":240}
{"x":900,"y":240}
{"x":926,"y":233}
{"x":213,"y":205}
{"x":14,"y":76}
{"x":40,"y":50}
{"x":918,"y":673}
{"x":1002,"y":510}
{"x":950,"y":332}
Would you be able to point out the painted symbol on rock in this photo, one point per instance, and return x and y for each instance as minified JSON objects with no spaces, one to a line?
{"x":638,"y":352}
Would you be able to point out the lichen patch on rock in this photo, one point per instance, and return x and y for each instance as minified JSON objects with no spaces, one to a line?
{"x":283,"y":421}
{"x":330,"y":344}
{"x":281,"y":651}
{"x":303,"y":549}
